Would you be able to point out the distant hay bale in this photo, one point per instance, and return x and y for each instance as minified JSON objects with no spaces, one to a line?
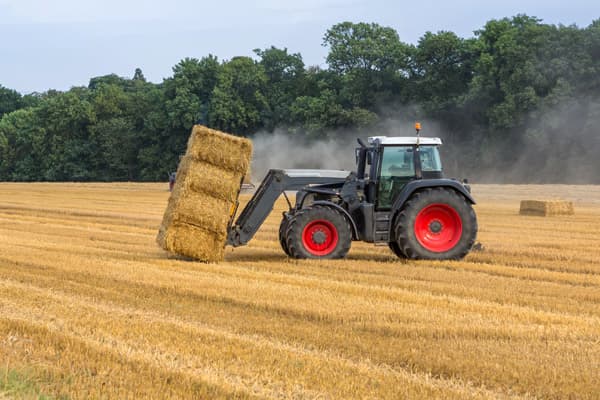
{"x":205,"y":193}
{"x":546,"y":208}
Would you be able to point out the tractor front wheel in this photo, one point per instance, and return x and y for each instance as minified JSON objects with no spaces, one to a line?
{"x":436,"y":224}
{"x":282,"y":234}
{"x":318,"y":232}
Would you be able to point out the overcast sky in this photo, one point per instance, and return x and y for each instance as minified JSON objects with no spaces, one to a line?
{"x":62,"y":43}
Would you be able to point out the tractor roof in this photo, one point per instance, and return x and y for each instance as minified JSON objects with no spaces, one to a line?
{"x":403,"y":140}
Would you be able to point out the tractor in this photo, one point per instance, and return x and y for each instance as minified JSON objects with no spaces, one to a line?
{"x":396,"y":197}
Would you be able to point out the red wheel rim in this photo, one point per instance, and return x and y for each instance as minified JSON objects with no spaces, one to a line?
{"x":438,"y":227}
{"x":319,"y":237}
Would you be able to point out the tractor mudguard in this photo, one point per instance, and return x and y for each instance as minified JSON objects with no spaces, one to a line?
{"x":344,"y":212}
{"x":413,"y":186}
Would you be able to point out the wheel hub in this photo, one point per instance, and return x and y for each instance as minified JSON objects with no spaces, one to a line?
{"x":438,"y":227}
{"x":319,"y":237}
{"x":435,"y":226}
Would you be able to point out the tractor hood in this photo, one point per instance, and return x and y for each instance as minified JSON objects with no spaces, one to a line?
{"x":316,"y":173}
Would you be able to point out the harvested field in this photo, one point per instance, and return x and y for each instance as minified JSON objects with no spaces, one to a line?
{"x":91,"y":307}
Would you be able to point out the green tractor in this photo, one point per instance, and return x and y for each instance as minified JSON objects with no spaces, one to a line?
{"x":397,"y":197}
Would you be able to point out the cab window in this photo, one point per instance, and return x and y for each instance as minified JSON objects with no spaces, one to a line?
{"x":397,"y":168}
{"x":397,"y":161}
{"x":430,"y":159}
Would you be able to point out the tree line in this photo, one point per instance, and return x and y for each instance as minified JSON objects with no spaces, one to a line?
{"x":519,"y":101}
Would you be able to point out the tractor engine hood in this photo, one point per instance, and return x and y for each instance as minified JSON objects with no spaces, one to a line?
{"x":316,"y":173}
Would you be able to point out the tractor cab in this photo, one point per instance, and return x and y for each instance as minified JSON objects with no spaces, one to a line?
{"x":389,"y":163}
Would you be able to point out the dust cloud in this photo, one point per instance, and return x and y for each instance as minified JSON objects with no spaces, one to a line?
{"x":557,"y":144}
{"x":334,"y":150}
{"x":281,"y":150}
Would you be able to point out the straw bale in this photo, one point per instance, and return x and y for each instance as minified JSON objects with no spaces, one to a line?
{"x":208,"y":182}
{"x":220,"y":149}
{"x":248,"y":177}
{"x":201,"y":177}
{"x":205,"y":211}
{"x":192,"y":241}
{"x":546,"y":207}
{"x":195,"y":224}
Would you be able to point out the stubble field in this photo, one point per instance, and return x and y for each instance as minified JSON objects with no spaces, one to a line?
{"x":90,"y":307}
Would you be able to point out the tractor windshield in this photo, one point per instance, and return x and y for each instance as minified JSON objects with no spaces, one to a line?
{"x":397,"y":161}
{"x":397,"y":168}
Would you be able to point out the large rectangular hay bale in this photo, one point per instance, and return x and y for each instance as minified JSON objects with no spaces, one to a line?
{"x":220,"y":149}
{"x":206,"y":189}
{"x":192,"y":241}
{"x":205,"y":211}
{"x":206,"y":178}
{"x":546,"y":207}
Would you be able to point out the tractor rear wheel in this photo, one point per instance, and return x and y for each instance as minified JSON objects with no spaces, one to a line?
{"x":436,"y":224}
{"x":318,"y":232}
{"x":282,"y":234}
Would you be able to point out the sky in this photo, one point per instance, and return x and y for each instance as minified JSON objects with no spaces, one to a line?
{"x":57,"y":44}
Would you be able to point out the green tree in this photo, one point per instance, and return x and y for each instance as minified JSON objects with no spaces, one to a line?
{"x":238,"y":102}
{"x":510,"y":73}
{"x":22,"y":146}
{"x":190,"y":89}
{"x":285,"y":82}
{"x":10,"y":100}
{"x":157,"y":147}
{"x":67,"y":117}
{"x":139,"y":75}
{"x":111,"y":79}
{"x":320,"y":115}
{"x":442,"y":70}
{"x":372,"y":60}
{"x":113,"y":136}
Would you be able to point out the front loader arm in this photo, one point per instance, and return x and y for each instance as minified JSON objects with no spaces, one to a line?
{"x":273,"y":185}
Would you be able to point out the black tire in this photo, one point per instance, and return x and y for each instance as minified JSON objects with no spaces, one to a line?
{"x":282,"y":234}
{"x":319,"y":232}
{"x":396,"y":249}
{"x":436,"y":224}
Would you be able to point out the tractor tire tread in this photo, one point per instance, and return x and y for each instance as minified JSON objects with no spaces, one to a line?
{"x":282,"y":234}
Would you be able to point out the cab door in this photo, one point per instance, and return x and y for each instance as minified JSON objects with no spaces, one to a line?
{"x":397,"y":168}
